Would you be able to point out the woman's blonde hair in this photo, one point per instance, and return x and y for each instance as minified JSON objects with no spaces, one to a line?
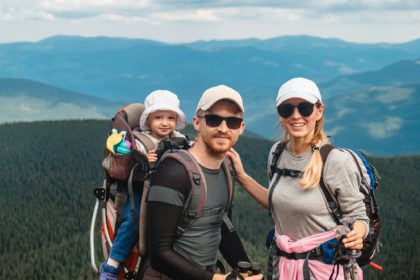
{"x":312,"y":173}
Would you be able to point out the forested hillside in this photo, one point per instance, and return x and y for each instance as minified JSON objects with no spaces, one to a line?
{"x":49,"y":170}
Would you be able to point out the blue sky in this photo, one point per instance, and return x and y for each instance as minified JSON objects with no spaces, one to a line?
{"x":191,"y":20}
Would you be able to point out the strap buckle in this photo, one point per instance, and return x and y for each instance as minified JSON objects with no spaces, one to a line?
{"x":179,"y":231}
{"x":191,"y":214}
{"x":196,"y":178}
{"x":99,"y":193}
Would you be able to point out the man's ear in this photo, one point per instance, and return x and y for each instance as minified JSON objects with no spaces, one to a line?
{"x":196,"y":123}
{"x":242,"y":128}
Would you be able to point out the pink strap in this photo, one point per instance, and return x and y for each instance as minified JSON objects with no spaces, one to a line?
{"x":303,"y":245}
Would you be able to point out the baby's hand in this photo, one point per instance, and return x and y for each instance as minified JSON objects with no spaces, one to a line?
{"x":152,"y":156}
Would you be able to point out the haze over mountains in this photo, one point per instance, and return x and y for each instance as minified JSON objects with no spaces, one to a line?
{"x":26,"y":100}
{"x":371,"y":91}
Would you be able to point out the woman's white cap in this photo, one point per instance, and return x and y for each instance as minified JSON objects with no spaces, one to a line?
{"x":298,"y":88}
{"x":162,"y":100}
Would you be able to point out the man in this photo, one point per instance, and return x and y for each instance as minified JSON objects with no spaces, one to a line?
{"x":218,"y":122}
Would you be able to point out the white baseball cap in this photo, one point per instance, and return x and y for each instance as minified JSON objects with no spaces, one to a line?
{"x":162,"y":100}
{"x":298,"y":88}
{"x":217,"y":93}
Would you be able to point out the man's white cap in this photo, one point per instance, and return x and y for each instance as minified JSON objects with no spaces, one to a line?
{"x":298,"y":88}
{"x":162,"y":100}
{"x":217,"y":93}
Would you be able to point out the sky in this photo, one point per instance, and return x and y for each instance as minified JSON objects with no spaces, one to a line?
{"x":177,"y":21}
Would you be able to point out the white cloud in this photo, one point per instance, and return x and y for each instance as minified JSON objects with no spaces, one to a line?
{"x":341,"y":68}
{"x":393,"y":94}
{"x":342,"y":111}
{"x":125,"y":19}
{"x":266,"y":62}
{"x":81,"y":5}
{"x":169,"y":21}
{"x":6,"y":16}
{"x":14,"y":14}
{"x":381,"y":130}
{"x":334,"y":131}
{"x":330,"y":18}
{"x":294,"y":17}
{"x":189,"y":15}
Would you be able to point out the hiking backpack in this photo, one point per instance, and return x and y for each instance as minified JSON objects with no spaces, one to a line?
{"x":369,"y":183}
{"x":193,"y":206}
{"x":131,"y":171}
{"x":124,"y":173}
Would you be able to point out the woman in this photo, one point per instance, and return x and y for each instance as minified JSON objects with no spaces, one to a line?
{"x":299,"y":210}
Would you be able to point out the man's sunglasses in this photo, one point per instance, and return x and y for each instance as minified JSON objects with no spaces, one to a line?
{"x":216,"y":120}
{"x":305,"y":108}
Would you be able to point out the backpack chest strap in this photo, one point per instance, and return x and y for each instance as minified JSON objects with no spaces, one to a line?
{"x":278,"y":172}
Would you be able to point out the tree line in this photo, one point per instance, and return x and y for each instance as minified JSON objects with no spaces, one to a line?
{"x":49,"y":170}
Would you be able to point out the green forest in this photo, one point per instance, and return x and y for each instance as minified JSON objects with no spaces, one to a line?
{"x":49,"y":170}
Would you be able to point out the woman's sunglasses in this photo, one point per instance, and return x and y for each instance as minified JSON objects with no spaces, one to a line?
{"x":216,"y":120}
{"x":305,"y":108}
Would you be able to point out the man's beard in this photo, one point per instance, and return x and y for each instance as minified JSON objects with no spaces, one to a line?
{"x":217,"y":150}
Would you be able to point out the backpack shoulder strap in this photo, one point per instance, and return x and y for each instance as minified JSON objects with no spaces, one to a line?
{"x":273,"y":170}
{"x":275,"y":158}
{"x":194,"y":204}
{"x":230,"y":180}
{"x":143,"y":218}
{"x":146,"y":141}
{"x":332,"y":204}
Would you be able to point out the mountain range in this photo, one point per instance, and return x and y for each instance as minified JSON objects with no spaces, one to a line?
{"x":371,"y":91}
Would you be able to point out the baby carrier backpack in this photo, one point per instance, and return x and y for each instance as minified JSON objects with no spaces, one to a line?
{"x":369,"y":183}
{"x":126,"y":170}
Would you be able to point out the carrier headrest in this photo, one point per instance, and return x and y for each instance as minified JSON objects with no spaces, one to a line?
{"x":132,"y":114}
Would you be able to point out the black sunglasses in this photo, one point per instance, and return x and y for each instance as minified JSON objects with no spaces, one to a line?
{"x":305,"y":108}
{"x":216,"y":120}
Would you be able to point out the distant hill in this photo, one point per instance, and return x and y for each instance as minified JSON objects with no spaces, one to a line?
{"x":303,"y":42}
{"x":122,"y":69}
{"x":25,"y":100}
{"x":49,"y":170}
{"x":64,"y":44}
{"x":400,"y":73}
